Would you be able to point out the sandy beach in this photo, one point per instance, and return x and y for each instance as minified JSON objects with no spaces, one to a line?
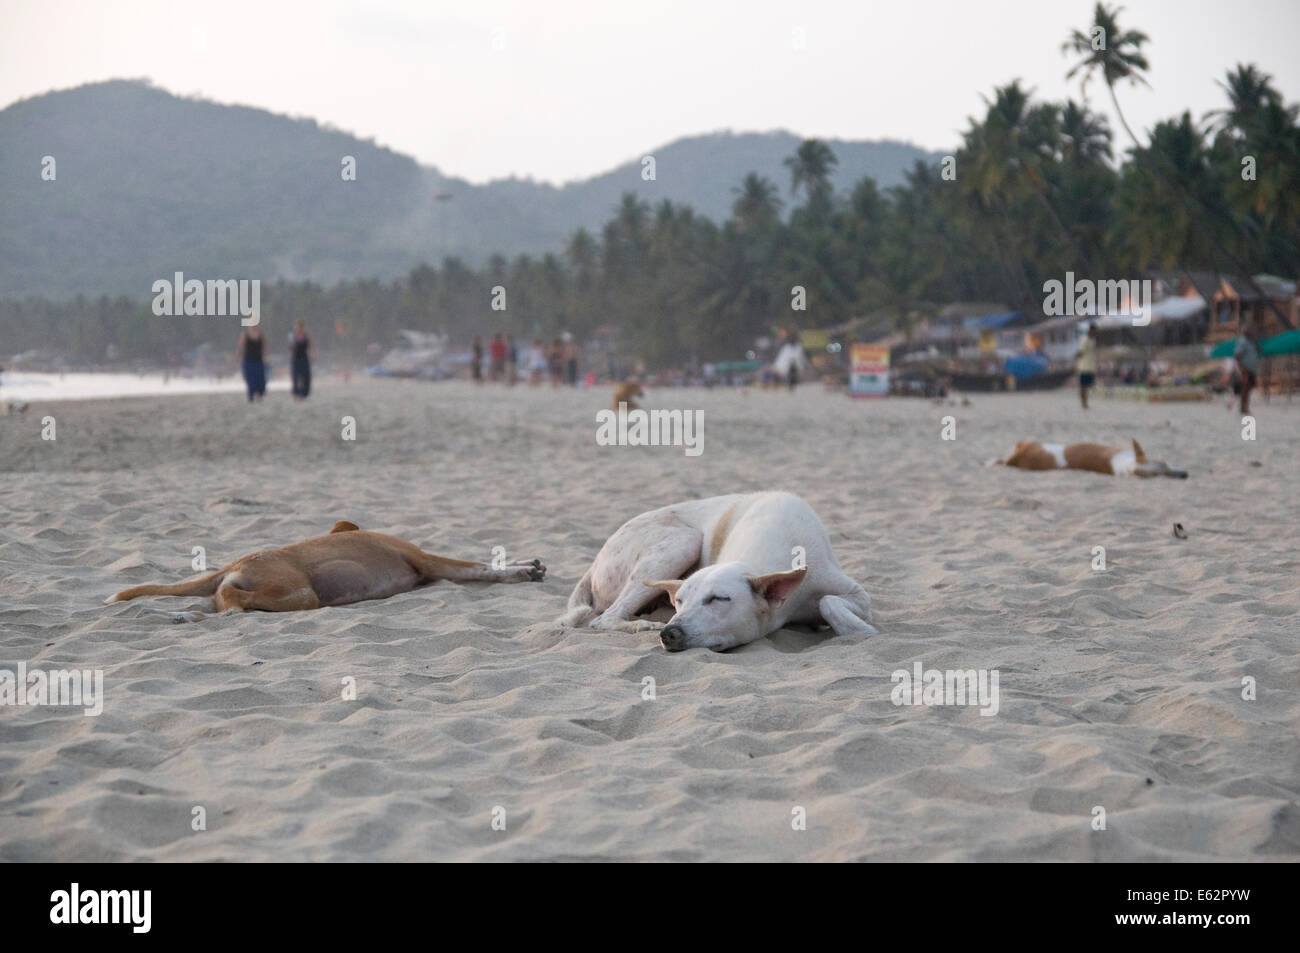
{"x":1120,"y":689}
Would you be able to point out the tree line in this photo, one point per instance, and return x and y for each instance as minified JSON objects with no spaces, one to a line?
{"x":1034,"y":189}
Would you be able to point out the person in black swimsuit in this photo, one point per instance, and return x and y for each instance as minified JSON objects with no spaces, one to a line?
{"x":300,"y":348}
{"x":476,"y":365}
{"x":249,"y":353}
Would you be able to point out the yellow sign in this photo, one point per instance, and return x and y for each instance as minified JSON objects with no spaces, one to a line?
{"x":988,"y":341}
{"x":814,"y":340}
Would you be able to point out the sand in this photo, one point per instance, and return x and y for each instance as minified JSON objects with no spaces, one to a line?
{"x":1119,"y":689}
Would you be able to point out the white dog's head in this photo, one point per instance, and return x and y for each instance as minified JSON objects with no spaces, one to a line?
{"x":720,"y":607}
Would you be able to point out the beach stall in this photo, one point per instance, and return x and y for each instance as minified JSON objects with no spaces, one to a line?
{"x":1281,"y":371}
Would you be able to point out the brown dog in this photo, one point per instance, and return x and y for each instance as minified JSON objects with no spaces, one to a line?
{"x":1032,"y":455}
{"x":626,"y":391}
{"x":348,"y":565}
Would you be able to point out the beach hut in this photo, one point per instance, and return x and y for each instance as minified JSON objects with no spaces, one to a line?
{"x":1232,"y":300}
{"x":1171,"y":321}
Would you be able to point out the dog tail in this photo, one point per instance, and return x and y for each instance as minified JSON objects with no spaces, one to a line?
{"x":202,"y":585}
{"x":581,"y":608}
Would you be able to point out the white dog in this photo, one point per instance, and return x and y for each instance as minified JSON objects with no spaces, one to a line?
{"x":725,"y":563}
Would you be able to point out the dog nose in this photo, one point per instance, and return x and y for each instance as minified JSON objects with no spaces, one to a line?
{"x":673,"y":637}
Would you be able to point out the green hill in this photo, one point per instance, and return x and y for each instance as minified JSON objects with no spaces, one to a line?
{"x":148,"y":183}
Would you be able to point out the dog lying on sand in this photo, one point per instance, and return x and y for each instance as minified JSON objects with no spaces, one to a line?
{"x":348,"y":565}
{"x":1032,"y":455}
{"x":725,"y":563}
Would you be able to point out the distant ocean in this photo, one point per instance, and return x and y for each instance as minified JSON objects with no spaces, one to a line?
{"x":22,"y":385}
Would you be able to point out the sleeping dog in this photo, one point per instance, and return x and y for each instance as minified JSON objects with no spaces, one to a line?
{"x":736,"y":568}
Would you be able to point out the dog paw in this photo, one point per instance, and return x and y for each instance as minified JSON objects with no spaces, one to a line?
{"x":532,"y":569}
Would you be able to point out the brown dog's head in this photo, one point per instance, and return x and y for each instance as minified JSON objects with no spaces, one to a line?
{"x":1150,"y":468}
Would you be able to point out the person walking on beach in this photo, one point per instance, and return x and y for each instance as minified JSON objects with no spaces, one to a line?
{"x":536,"y":362}
{"x":789,"y":357}
{"x":555,"y":361}
{"x":1246,"y":354}
{"x":512,"y":360}
{"x":476,"y":365}
{"x":498,"y":357}
{"x":1086,"y":364}
{"x":570,"y":360}
{"x":300,"y":351}
{"x":249,"y":352}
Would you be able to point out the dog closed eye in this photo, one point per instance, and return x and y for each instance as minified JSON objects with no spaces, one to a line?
{"x":717,"y":599}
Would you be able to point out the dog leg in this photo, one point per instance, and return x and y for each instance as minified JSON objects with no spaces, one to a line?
{"x":580,"y":610}
{"x":674,"y":555}
{"x":434,"y":568}
{"x":275,"y":597}
{"x":848,"y":615}
{"x":609,"y":623}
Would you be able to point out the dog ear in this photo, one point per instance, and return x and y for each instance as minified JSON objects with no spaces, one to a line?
{"x":669,"y":586}
{"x":1137,"y":449}
{"x":343,"y":526}
{"x":775,"y":587}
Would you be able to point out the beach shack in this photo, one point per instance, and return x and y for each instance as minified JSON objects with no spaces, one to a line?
{"x":1057,"y":338}
{"x":1273,"y":303}
{"x":1176,"y":317}
{"x":1232,"y":301}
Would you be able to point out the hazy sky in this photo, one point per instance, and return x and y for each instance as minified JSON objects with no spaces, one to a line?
{"x":557,"y":90}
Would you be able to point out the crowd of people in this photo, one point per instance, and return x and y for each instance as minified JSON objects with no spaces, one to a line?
{"x":504,"y":361}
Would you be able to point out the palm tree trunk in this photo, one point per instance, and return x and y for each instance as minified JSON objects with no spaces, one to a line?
{"x":1119,"y":112}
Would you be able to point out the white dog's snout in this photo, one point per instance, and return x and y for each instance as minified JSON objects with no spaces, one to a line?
{"x":673,"y":637}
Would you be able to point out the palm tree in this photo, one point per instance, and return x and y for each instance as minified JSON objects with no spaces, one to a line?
{"x":1118,"y":58}
{"x":757,"y":202}
{"x":1085,"y":137}
{"x":632,"y":217}
{"x":1266,"y":208}
{"x":1158,"y":225}
{"x":810,"y":167}
{"x":1085,"y":181}
{"x":582,"y":253}
{"x":1189,"y":179}
{"x":896,"y":288}
{"x":1012,"y":155}
{"x":1249,"y":92}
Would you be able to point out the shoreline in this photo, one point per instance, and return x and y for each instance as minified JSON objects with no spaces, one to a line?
{"x":43,"y":387}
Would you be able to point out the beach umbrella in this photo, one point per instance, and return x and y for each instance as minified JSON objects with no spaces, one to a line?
{"x":1288,"y":342}
{"x":1224,"y":348}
